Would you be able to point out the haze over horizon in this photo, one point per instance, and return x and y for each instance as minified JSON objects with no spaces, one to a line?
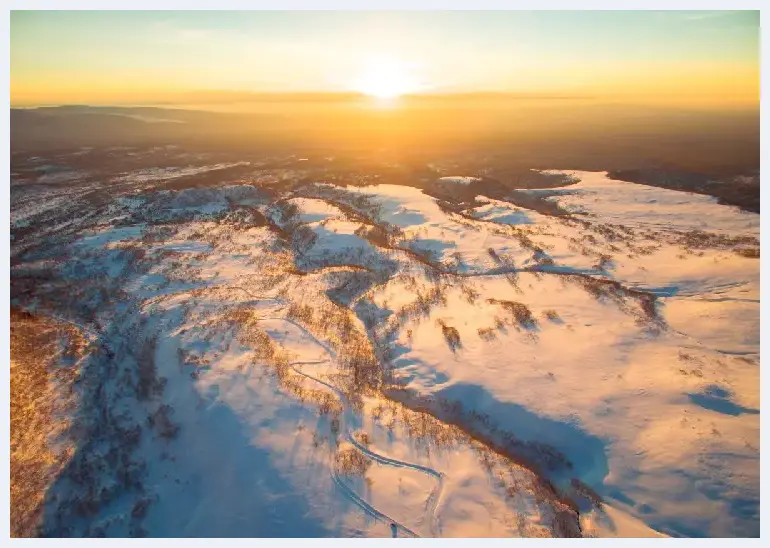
{"x":695,"y":59}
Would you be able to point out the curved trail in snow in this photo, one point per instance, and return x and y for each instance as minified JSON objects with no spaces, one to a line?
{"x":379,"y":458}
{"x":368,"y":508}
{"x":435,"y":496}
{"x":348,"y":418}
{"x":347,"y":415}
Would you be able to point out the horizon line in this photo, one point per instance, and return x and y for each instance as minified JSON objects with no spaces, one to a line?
{"x":221,"y":97}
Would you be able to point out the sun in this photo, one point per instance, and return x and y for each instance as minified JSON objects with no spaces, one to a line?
{"x":386,"y":78}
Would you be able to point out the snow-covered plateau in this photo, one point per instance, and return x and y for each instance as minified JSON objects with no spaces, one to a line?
{"x":312,"y":360}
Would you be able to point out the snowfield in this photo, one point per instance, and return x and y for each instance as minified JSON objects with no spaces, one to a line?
{"x":335,"y":361}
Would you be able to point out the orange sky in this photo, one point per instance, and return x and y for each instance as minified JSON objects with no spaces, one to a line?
{"x":702,"y":59}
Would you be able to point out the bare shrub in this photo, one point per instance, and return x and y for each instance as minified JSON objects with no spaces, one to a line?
{"x":289,"y":213}
{"x":469,"y":293}
{"x":458,"y":258}
{"x":377,"y":412}
{"x":301,"y":313}
{"x":350,"y":461}
{"x":585,"y":491}
{"x":565,"y":523}
{"x":748,"y":252}
{"x":422,"y":305}
{"x":374,"y":234}
{"x":303,"y":239}
{"x":328,"y":403}
{"x":499,"y":323}
{"x":161,"y":421}
{"x":622,"y":296}
{"x":647,"y":303}
{"x":520,"y":313}
{"x":486,"y":333}
{"x":139,"y":509}
{"x":604,"y":262}
{"x":362,"y":438}
{"x":700,"y":239}
{"x":513,"y":279}
{"x":451,"y":335}
{"x":552,"y":315}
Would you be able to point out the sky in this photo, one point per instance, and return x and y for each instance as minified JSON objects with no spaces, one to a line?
{"x":113,"y":57}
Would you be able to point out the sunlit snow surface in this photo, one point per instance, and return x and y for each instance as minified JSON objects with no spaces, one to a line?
{"x":659,"y":418}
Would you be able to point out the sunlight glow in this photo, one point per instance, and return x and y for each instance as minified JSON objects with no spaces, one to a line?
{"x":386,"y":78}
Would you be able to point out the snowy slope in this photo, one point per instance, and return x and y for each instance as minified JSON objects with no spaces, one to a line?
{"x":340,"y":359}
{"x":663,"y":423}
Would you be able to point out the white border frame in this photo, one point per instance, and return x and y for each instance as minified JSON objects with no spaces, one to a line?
{"x":392,"y":5}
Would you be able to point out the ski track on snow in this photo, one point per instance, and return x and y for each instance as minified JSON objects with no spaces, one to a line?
{"x":435,"y":497}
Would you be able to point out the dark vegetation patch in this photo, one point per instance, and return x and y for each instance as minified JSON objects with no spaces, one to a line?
{"x":749,"y":252}
{"x":519,"y":313}
{"x":552,"y":315}
{"x":349,"y":461}
{"x":42,"y":379}
{"x":451,"y":335}
{"x":585,"y":491}
{"x":439,"y":425}
{"x":737,"y":190}
{"x":460,"y":202}
{"x":445,"y":423}
{"x":211,"y":178}
{"x":536,"y":202}
{"x":161,"y":421}
{"x":347,"y":285}
{"x":487,"y":333}
{"x":604,"y":289}
{"x":700,"y":239}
